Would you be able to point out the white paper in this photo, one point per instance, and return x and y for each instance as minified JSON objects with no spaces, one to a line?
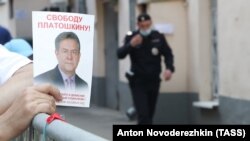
{"x":46,"y":27}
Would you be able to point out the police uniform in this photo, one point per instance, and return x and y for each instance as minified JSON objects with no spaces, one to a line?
{"x":144,"y":75}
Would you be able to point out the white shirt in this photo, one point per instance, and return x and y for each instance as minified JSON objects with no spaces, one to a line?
{"x":10,"y":62}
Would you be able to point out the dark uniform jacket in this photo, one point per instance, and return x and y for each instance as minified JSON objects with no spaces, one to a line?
{"x":146,"y":57}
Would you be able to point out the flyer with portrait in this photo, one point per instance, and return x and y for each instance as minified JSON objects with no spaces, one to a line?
{"x":63,"y":54}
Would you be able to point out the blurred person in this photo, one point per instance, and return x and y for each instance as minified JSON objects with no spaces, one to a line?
{"x":67,"y":51}
{"x":19,"y":100}
{"x":20,"y":46}
{"x":5,"y":35}
{"x":145,"y":46}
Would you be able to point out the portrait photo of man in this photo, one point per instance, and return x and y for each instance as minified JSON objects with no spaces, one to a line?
{"x":68,"y":54}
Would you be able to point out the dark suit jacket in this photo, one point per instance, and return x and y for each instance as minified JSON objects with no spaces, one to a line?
{"x":54,"y":76}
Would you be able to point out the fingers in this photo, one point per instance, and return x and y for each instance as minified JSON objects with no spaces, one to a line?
{"x":49,"y":89}
{"x":33,"y":100}
{"x":167,"y":74}
{"x":167,"y":78}
{"x":136,"y":40}
{"x":37,"y":102}
{"x":45,"y":106}
{"x":46,"y":95}
{"x":138,"y":37}
{"x":41,"y":99}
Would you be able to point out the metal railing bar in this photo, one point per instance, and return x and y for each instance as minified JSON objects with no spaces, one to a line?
{"x":62,"y":131}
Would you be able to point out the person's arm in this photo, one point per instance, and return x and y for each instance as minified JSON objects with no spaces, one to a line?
{"x":19,"y":100}
{"x":13,"y":87}
{"x":31,"y":101}
{"x":124,"y":49}
{"x":168,"y":59}
{"x":129,"y":42}
{"x":168,"y":55}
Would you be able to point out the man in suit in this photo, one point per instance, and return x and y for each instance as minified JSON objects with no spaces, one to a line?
{"x":68,"y":54}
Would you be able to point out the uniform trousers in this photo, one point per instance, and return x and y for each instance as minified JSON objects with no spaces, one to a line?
{"x":145,"y":93}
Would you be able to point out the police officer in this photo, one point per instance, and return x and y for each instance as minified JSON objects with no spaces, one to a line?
{"x":145,"y":47}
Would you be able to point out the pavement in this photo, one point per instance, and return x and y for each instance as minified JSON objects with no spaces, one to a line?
{"x":97,"y":120}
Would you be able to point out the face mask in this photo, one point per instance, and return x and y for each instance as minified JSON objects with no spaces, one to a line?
{"x":146,"y":32}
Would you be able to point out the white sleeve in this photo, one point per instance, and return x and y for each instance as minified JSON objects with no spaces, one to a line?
{"x":10,"y":62}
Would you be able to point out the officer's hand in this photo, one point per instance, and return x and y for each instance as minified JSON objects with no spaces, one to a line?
{"x":167,"y":74}
{"x":136,"y":40}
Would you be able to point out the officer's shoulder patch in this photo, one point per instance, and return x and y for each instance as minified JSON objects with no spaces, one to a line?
{"x":129,"y":33}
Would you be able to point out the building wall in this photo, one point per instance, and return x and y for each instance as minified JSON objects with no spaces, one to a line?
{"x":99,"y":50}
{"x":191,"y":44}
{"x":233,"y":24}
{"x":124,"y":27}
{"x":174,"y":13}
{"x":234,"y":50}
{"x":200,"y":66}
{"x":98,"y":96}
{"x":193,"y":51}
{"x":6,"y":20}
{"x":23,"y":16}
{"x":125,"y":100}
{"x":4,"y":12}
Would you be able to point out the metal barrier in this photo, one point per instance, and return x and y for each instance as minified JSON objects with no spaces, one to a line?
{"x":56,"y":131}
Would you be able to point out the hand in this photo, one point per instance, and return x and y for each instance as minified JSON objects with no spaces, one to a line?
{"x":167,"y":74}
{"x":136,"y":40}
{"x":33,"y":100}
